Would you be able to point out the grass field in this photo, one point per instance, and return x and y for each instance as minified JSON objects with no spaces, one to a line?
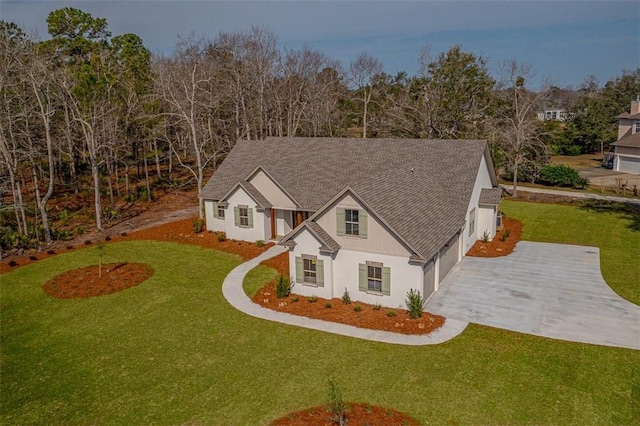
{"x":578,"y":161}
{"x":172,"y":351}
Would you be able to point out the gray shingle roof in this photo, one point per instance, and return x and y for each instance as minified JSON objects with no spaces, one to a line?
{"x":629,"y":141}
{"x":629,"y":116}
{"x":253,"y":192}
{"x":490,"y":197}
{"x":420,"y":188}
{"x":328,"y":243}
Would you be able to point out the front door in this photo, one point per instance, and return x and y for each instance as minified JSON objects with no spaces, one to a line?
{"x":273,"y":224}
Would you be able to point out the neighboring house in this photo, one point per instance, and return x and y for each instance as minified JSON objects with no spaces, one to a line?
{"x":558,"y":114}
{"x":626,"y":157}
{"x":375,"y":217}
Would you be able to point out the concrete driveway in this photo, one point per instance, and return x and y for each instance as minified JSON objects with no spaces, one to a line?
{"x":550,"y":290}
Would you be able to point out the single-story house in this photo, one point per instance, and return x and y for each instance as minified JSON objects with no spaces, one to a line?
{"x":626,"y":157}
{"x":374,"y":217}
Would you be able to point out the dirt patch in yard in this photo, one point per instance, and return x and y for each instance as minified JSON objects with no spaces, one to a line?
{"x":97,"y":280}
{"x":357,"y":314}
{"x":358,"y":414}
{"x":502,"y":244}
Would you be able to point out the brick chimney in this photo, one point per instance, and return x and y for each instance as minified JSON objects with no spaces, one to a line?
{"x":635,"y":106}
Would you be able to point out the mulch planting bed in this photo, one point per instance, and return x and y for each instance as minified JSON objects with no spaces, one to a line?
{"x":357,"y":415}
{"x":97,"y":281}
{"x":335,"y":310}
{"x":512,"y":229}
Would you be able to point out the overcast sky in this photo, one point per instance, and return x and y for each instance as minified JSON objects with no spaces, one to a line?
{"x":565,"y":41}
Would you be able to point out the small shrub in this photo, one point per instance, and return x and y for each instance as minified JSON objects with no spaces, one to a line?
{"x":283,"y":286}
{"x":377,"y":307}
{"x":414,"y":303}
{"x":581,"y":183}
{"x":346,"y":299}
{"x":13,"y":263}
{"x":357,"y":308}
{"x":110,"y":214}
{"x":391,"y":313}
{"x":222,"y":237}
{"x":260,"y":243}
{"x":505,"y":235}
{"x":69,"y":247}
{"x":87,"y":242}
{"x":107,"y":238}
{"x":33,"y":258}
{"x":337,"y":406}
{"x":485,"y":237}
{"x":51,"y":252}
{"x":327,"y":305}
{"x":561,"y":175}
{"x":198,"y":225}
{"x":124,"y":234}
{"x":313,"y":298}
{"x":294,"y":299}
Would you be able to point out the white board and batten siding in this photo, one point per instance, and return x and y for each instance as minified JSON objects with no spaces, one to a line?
{"x":483,"y":180}
{"x":263,"y":183}
{"x":378,"y":239}
{"x":259,"y":222}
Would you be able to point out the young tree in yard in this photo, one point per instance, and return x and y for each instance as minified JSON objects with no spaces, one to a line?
{"x":363,"y":75}
{"x":515,"y":123}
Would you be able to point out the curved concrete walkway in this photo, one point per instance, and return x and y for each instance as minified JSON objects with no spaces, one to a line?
{"x":235,"y":295}
{"x":544,"y":289}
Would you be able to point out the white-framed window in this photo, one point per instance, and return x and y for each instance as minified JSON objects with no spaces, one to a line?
{"x":472,"y":221}
{"x":220,"y":212}
{"x":637,"y":130}
{"x":375,"y":278}
{"x":351,"y":222}
{"x":244,"y":215}
{"x":309,"y":268}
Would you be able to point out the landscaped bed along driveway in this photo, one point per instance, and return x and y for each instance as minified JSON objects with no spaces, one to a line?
{"x":550,"y":290}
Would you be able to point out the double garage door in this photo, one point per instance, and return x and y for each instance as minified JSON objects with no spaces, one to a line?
{"x":628,"y":164}
{"x":448,"y":259}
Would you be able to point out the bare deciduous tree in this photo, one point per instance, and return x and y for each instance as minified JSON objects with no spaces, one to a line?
{"x":363,"y":74}
{"x":516,"y":122}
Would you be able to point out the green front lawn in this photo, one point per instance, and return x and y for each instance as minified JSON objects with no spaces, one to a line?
{"x":172,"y":351}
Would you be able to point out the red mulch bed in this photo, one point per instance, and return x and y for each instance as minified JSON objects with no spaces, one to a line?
{"x":497,"y":248}
{"x":90,"y":282}
{"x":178,"y":232}
{"x":367,"y":317}
{"x":182,"y":232}
{"x":357,"y":415}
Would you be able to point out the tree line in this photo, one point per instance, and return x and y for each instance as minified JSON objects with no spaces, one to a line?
{"x":88,"y":111}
